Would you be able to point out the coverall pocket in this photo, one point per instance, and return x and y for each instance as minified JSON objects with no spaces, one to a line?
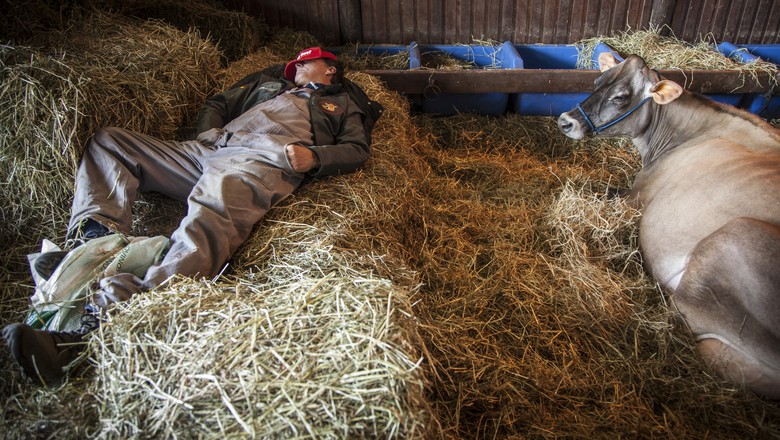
{"x":247,"y":165}
{"x":270,"y":176}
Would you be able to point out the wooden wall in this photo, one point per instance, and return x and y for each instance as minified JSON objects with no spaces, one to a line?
{"x":336,"y":22}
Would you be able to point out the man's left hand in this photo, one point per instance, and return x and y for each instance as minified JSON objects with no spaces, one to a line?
{"x":301,"y":158}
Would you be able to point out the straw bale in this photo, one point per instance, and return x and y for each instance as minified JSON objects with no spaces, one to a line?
{"x":301,"y":355}
{"x":146,"y":75}
{"x":42,"y":100}
{"x":304,"y":355}
{"x":235,"y":33}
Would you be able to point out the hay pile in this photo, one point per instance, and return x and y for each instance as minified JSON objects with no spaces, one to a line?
{"x":436,"y":60}
{"x":358,"y":57}
{"x":236,"y":34}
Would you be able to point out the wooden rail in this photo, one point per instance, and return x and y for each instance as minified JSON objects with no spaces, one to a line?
{"x":424,"y":81}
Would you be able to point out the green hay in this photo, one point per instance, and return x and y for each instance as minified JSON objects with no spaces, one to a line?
{"x":356,"y":57}
{"x":668,"y":52}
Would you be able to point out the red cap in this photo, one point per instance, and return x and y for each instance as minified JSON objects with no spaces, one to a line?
{"x":311,"y":53}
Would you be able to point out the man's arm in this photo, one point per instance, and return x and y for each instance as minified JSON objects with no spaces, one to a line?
{"x":350,"y":151}
{"x":221,"y":108}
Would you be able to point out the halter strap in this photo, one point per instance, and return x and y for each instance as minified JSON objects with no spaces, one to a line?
{"x":607,"y":125}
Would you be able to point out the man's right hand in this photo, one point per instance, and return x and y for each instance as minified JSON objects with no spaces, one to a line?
{"x":302,"y":159}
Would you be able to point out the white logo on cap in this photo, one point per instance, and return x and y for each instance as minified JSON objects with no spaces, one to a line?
{"x":304,"y":53}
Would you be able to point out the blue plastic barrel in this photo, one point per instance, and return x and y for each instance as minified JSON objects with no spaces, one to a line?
{"x":749,"y":101}
{"x":552,"y":56}
{"x":770,"y":53}
{"x":485,"y":57}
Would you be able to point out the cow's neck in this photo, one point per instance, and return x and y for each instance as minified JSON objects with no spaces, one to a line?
{"x":671,"y":125}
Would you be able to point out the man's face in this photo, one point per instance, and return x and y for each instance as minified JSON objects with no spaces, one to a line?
{"x":316,"y":71}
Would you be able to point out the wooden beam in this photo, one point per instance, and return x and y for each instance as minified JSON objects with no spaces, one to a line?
{"x":350,"y":19}
{"x":564,"y":81}
{"x":662,"y":13}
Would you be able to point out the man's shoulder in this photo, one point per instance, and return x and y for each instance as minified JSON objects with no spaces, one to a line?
{"x":261,"y":82}
{"x":269,"y":74}
{"x":371,"y":109}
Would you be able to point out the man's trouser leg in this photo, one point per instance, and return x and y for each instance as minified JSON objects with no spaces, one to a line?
{"x":237,"y":188}
{"x":117,"y":163}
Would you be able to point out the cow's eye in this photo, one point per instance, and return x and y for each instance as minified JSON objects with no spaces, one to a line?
{"x":619,"y":98}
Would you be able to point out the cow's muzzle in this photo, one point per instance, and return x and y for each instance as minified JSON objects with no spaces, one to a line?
{"x":570,"y":126}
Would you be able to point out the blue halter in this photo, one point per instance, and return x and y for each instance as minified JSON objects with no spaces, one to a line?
{"x":610,"y":124}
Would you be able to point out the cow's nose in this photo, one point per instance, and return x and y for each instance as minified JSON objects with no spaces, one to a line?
{"x":565,"y":124}
{"x":570,"y":126}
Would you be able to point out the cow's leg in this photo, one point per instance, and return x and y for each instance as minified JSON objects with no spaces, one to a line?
{"x":730,"y":298}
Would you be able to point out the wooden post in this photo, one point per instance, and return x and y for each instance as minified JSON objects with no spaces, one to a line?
{"x":661,"y":15}
{"x":351,"y":21}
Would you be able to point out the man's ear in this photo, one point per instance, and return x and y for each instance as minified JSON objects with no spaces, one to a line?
{"x":665,"y":91}
{"x":331,"y":70}
{"x":607,"y":61}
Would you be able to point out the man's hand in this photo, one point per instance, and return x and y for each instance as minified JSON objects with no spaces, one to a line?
{"x":301,"y":158}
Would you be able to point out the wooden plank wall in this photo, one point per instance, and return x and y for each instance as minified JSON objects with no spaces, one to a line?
{"x":337,"y":22}
{"x":747,"y":21}
{"x":532,"y":21}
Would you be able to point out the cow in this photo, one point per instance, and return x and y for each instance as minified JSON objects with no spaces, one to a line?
{"x":709,"y":194}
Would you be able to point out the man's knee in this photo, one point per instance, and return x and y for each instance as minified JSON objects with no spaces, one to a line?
{"x":104,"y":138}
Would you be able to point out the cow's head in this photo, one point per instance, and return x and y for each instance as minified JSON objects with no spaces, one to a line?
{"x":618,"y":104}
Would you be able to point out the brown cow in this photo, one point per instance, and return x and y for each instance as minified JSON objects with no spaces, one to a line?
{"x":709,"y":193}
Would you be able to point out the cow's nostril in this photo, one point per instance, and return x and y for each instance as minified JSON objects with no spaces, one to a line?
{"x":565,"y":124}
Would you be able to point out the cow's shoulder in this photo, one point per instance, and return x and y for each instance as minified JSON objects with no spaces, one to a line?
{"x":735,"y":123}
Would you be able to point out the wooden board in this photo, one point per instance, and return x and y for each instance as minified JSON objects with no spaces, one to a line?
{"x":553,"y":80}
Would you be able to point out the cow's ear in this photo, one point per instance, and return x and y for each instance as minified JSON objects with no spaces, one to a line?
{"x":665,"y":91}
{"x":607,"y":61}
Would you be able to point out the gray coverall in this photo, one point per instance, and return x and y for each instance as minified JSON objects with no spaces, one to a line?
{"x":230,"y":178}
